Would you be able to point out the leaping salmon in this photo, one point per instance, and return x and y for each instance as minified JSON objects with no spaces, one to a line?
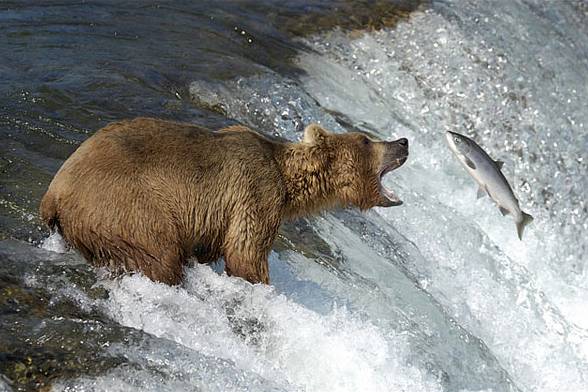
{"x":487,"y":174}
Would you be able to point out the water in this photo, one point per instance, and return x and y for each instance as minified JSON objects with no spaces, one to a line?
{"x":436,"y":295}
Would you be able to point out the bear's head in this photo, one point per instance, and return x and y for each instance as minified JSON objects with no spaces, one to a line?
{"x":356,"y":164}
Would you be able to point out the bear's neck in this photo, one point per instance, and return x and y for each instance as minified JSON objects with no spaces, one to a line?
{"x":308,"y":176}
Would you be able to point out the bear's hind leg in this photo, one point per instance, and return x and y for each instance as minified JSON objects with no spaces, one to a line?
{"x":168,"y":268}
{"x":121,"y":256}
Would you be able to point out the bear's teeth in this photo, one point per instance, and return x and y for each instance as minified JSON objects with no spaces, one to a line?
{"x":390,"y":195}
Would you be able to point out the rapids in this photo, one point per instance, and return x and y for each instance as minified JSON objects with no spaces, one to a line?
{"x":436,"y":295}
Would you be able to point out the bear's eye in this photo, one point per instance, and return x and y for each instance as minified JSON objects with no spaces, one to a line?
{"x":366,"y":141}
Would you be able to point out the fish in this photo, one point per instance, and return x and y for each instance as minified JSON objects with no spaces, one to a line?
{"x":486,"y":172}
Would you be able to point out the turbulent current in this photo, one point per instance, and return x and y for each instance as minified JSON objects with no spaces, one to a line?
{"x":438,"y":294}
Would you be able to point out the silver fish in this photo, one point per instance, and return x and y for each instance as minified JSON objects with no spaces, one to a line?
{"x":487,"y":174}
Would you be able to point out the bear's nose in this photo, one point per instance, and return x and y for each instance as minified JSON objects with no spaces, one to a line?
{"x":403,"y":142}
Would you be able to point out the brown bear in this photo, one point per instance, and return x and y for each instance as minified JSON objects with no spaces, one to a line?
{"x":145,"y":195}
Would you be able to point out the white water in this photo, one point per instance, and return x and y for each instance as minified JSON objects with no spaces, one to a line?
{"x":232,"y":335}
{"x":438,"y":294}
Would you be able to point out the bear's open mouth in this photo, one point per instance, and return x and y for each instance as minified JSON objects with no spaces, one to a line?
{"x":393,"y":199}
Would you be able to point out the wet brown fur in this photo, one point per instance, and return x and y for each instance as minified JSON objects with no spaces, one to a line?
{"x":145,"y":195}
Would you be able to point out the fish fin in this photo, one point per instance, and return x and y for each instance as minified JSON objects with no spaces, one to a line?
{"x":503,"y":211}
{"x":521,"y":225}
{"x":470,"y":164}
{"x":481,"y":192}
{"x":499,"y":164}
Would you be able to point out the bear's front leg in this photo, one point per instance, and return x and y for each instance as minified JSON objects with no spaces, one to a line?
{"x":249,"y":239}
{"x":247,"y":245}
{"x":249,"y":265}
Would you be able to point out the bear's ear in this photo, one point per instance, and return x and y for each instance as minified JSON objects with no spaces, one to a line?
{"x":314,"y":134}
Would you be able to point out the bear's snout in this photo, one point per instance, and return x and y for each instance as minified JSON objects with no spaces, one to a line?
{"x":396,"y":152}
{"x":403,"y":142}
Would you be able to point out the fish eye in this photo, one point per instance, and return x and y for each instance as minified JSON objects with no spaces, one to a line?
{"x":457,"y":140}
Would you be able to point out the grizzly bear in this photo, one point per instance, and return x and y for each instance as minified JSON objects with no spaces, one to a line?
{"x":146,"y":195}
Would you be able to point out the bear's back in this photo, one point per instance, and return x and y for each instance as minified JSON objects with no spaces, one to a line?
{"x":144,"y":145}
{"x":143,"y":141}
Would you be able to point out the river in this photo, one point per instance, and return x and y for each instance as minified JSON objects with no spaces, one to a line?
{"x":436,"y":295}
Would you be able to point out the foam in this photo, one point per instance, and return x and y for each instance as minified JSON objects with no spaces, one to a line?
{"x":54,"y":243}
{"x":264,"y":333}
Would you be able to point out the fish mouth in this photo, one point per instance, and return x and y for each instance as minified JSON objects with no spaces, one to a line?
{"x":459,"y":144}
{"x":390,"y":199}
{"x":449,"y":137}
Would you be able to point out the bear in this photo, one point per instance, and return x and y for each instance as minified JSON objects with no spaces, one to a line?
{"x":145,"y":195}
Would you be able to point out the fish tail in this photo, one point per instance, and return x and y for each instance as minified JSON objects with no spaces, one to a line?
{"x":524,"y":222}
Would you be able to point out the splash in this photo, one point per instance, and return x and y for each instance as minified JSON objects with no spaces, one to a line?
{"x":242,"y":335}
{"x":54,"y":243}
